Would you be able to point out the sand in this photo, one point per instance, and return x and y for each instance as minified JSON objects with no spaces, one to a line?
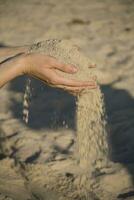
{"x":104,"y":31}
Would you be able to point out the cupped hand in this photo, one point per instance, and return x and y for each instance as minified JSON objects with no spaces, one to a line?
{"x":45,"y":68}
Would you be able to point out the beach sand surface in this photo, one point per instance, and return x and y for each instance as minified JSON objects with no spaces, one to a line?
{"x":104,"y":30}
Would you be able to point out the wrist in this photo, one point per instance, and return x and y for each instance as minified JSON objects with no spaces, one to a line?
{"x":10,"y":69}
{"x":23,"y":64}
{"x":19,"y":64}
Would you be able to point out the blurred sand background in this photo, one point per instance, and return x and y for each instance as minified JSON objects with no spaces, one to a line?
{"x":104,"y":29}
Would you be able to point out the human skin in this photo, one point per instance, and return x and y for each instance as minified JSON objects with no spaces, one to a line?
{"x":14,"y":62}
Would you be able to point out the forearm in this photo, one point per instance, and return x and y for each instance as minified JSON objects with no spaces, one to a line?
{"x":8,"y":52}
{"x":10,"y":69}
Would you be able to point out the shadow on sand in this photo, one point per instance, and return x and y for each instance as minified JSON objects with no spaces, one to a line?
{"x":49,"y":108}
{"x":52,"y":109}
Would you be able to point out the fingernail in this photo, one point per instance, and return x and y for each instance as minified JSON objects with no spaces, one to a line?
{"x":74,"y":69}
{"x":93,"y":64}
{"x":94,"y":84}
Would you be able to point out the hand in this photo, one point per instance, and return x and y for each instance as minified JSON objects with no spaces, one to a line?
{"x":45,"y":68}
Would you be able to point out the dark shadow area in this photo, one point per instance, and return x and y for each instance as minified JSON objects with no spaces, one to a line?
{"x":64,"y":150}
{"x":120,"y":116}
{"x":49,"y":108}
{"x":126,"y":2}
{"x":32,"y":158}
{"x":126,"y":195}
{"x":2,"y":45}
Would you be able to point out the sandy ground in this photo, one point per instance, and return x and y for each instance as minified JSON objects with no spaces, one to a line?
{"x":104,"y":30}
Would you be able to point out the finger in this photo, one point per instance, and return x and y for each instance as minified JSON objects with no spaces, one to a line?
{"x":74,"y":93}
{"x":71,"y":88}
{"x":74,"y":89}
{"x":55,"y":79}
{"x":70,"y":68}
{"x":66,"y":68}
{"x":78,"y":92}
{"x":74,"y":83}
